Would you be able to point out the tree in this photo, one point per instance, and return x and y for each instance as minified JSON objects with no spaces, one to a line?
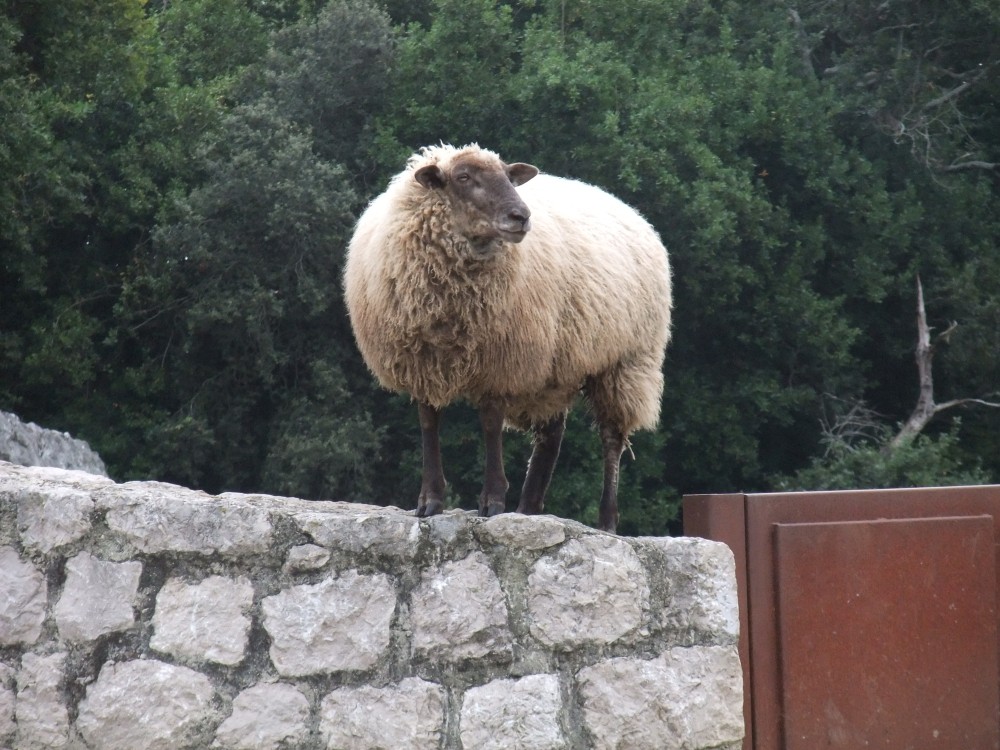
{"x":235,"y":304}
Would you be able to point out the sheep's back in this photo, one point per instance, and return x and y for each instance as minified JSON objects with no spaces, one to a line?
{"x":605,"y":266}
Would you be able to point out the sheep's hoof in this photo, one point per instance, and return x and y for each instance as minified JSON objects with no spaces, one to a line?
{"x":529,"y":509}
{"x":491,"y":506}
{"x":426,"y":508}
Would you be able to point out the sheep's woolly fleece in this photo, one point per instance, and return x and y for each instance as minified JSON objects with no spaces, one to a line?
{"x":583,"y":302}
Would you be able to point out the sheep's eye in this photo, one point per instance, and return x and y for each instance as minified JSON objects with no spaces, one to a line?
{"x":463,"y":177}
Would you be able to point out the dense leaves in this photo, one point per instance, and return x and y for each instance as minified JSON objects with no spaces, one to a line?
{"x":178,"y":182}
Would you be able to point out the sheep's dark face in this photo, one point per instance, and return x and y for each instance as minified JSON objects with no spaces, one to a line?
{"x":486,"y":209}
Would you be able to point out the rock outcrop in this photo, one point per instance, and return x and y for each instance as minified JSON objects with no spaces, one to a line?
{"x":27,"y":444}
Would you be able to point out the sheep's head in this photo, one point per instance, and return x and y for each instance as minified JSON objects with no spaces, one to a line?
{"x":486,"y":209}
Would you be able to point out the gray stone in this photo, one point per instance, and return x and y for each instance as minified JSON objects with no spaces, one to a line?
{"x":53,"y":517}
{"x":306,"y":557}
{"x":7,"y":701}
{"x":458,"y":611}
{"x":527,"y":532}
{"x":687,"y":699}
{"x":158,"y":517}
{"x":407,"y":716}
{"x":97,"y":598}
{"x":701,"y":578}
{"x":27,"y":444}
{"x":514,"y":715}
{"x":7,"y":725}
{"x":147,"y":704}
{"x":264,"y":717}
{"x":23,"y":596}
{"x":450,"y":530}
{"x":593,"y":590}
{"x":41,"y":715}
{"x":388,"y":532}
{"x":335,"y":625}
{"x":206,"y":621}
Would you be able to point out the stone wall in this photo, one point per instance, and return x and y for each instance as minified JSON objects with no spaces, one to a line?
{"x":145,"y":615}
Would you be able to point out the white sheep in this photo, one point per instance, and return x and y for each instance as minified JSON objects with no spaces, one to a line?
{"x":458,"y":286}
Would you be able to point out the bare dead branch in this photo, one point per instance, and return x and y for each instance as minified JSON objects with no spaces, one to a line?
{"x":926,"y":409}
{"x":972,"y":164}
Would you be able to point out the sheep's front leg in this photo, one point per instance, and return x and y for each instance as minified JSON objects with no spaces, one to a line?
{"x":493,"y":499}
{"x":613,"y":443}
{"x":548,"y":439}
{"x":431,"y":500}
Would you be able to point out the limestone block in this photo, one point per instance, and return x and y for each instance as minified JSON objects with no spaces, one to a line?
{"x":264,"y":717}
{"x":593,"y":590}
{"x":406,"y":716}
{"x":158,"y":517}
{"x":41,"y":716}
{"x":702,"y":585}
{"x":514,"y":715}
{"x":23,"y":596}
{"x":458,"y":611}
{"x":306,"y":557}
{"x":337,"y":624}
{"x":527,"y":532}
{"x":53,"y":517}
{"x":388,"y":532}
{"x":97,"y":598}
{"x":206,"y":621}
{"x":7,"y":725}
{"x":686,"y":699}
{"x":147,"y":704}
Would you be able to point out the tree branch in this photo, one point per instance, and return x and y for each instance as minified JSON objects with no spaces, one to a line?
{"x":973,"y":164}
{"x":926,"y":409}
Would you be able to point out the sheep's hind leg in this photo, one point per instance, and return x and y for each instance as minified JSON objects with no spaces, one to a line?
{"x":613,"y":443}
{"x":548,"y":439}
{"x":431,"y":500}
{"x":493,"y":499}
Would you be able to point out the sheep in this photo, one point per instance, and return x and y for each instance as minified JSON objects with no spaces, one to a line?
{"x":470,"y":278}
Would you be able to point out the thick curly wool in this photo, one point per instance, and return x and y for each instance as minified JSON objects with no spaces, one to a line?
{"x":583,"y":302}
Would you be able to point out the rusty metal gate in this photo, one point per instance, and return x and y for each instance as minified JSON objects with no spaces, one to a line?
{"x":868,"y":618}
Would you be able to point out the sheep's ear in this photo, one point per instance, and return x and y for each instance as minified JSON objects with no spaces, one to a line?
{"x":430,"y":176}
{"x":520,"y":173}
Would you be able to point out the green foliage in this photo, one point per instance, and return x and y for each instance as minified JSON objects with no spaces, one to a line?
{"x":925,"y":462}
{"x":178,"y":182}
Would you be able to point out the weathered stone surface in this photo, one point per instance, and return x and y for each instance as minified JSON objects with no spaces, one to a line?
{"x":389,"y":532}
{"x":147,"y":704}
{"x":41,"y":715}
{"x":158,"y":517}
{"x":206,"y":621}
{"x":407,"y":716}
{"x":514,"y":715}
{"x":97,"y":598}
{"x":337,"y":624}
{"x":23,"y":596}
{"x":592,"y":590}
{"x":7,"y":725}
{"x":686,"y":698}
{"x":458,"y":611}
{"x":527,"y":532}
{"x":306,"y":557}
{"x":52,"y":517}
{"x":28,"y":444}
{"x":264,"y":717}
{"x":702,"y":585}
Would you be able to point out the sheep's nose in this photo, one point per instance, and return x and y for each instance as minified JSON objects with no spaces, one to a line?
{"x":519,"y":215}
